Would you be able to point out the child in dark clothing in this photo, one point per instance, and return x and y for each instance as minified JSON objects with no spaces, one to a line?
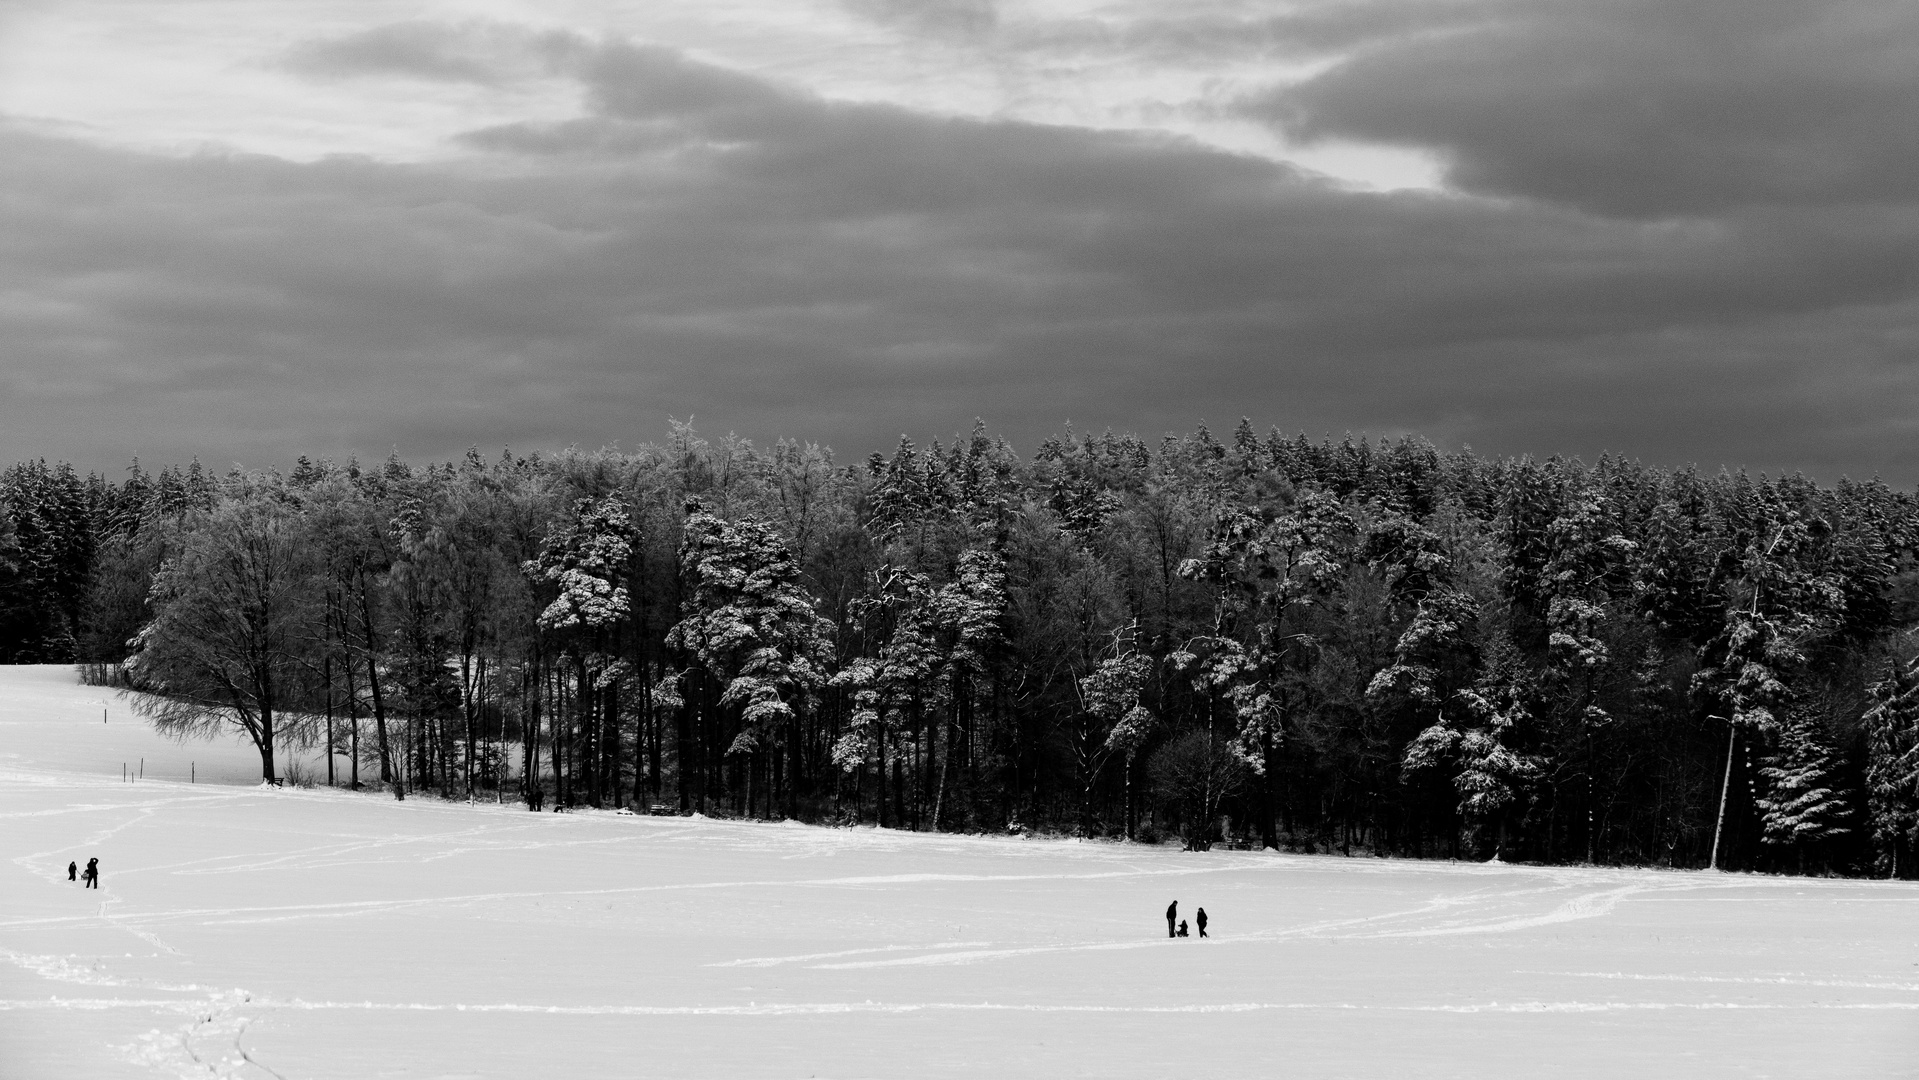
{"x":1182,"y":928}
{"x":73,"y":871}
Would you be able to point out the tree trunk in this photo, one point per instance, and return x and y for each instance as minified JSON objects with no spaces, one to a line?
{"x":1269,"y":800}
{"x":1719,"y":826}
{"x":387,"y":773}
{"x":880,"y":770}
{"x":683,"y":740}
{"x":379,"y":704}
{"x":610,"y":743}
{"x":530,"y":725}
{"x":939,"y":789}
{"x":326,"y":676}
{"x":563,"y":773}
{"x":265,"y":743}
{"x":641,"y":726}
{"x":353,"y":716}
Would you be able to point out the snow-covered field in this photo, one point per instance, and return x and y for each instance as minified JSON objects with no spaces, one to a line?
{"x":306,"y":934}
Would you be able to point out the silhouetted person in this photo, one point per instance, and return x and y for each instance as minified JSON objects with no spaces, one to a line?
{"x":1200,"y":919}
{"x":1182,"y":928}
{"x":73,"y":871}
{"x":92,"y":874}
{"x":1172,"y":912}
{"x":535,"y":799}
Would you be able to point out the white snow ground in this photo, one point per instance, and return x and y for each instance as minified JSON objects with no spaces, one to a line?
{"x":318,"y":934}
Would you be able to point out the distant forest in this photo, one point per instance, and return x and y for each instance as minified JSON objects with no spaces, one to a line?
{"x":1264,"y":641}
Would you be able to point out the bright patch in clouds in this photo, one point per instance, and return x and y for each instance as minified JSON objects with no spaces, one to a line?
{"x":227,"y":74}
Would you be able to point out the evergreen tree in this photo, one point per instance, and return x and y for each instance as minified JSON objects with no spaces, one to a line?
{"x":1481,"y":743}
{"x":1112,"y":720}
{"x":751,"y":626}
{"x":1800,"y":809}
{"x":1892,"y":768}
{"x":1780,"y":601}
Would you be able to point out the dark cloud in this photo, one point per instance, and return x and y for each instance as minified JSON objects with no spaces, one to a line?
{"x":1640,"y":107}
{"x":476,"y":52}
{"x":937,"y":18}
{"x":705,"y":243}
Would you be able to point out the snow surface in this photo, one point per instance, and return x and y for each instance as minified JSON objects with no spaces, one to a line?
{"x":244,"y":932}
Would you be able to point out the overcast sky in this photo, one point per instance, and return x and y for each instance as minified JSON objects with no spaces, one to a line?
{"x":1681,"y":230}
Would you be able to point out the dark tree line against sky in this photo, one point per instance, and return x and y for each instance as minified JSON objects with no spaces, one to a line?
{"x":1253,"y":639}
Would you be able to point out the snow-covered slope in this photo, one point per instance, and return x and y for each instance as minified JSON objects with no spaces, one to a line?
{"x":314,"y":934}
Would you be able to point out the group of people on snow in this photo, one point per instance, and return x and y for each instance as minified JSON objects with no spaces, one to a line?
{"x":1172,"y":916}
{"x":91,"y":876}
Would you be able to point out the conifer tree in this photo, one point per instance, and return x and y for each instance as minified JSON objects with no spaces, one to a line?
{"x":1481,"y":742}
{"x":586,"y":558}
{"x":1800,"y":808}
{"x":1892,"y":768}
{"x":1781,"y":600}
{"x":1112,"y":719}
{"x":751,"y":626}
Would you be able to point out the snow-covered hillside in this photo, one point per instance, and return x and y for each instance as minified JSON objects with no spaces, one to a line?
{"x":317,"y":934}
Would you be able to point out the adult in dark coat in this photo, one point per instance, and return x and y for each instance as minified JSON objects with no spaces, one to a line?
{"x":1172,"y":913}
{"x":92,"y":874}
{"x":1200,"y":920}
{"x":73,"y":871}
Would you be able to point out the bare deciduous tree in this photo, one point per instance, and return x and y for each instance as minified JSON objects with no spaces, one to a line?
{"x":227,"y":645}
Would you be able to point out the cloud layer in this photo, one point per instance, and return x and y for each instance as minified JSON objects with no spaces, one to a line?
{"x":1681,"y":232}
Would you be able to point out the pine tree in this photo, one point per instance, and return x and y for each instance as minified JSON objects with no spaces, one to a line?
{"x":1112,"y":720}
{"x":752,"y":627}
{"x":1267,"y":567}
{"x":1480,"y":741}
{"x":1782,"y":600}
{"x":1800,"y":809}
{"x":587,"y":557}
{"x":1585,"y":554}
{"x":1892,"y":767}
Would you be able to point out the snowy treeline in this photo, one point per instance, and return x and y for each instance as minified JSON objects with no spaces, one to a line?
{"x":1328,"y":646}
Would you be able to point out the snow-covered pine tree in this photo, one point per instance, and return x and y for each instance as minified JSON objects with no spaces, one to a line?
{"x":1892,"y":767}
{"x":752,"y":626}
{"x":1782,"y":599}
{"x":895,"y":691}
{"x":1585,"y":554}
{"x":1800,"y":808}
{"x":1109,"y":700}
{"x":968,"y":611}
{"x":1265,"y":567}
{"x":1480,"y":743}
{"x":587,"y":558}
